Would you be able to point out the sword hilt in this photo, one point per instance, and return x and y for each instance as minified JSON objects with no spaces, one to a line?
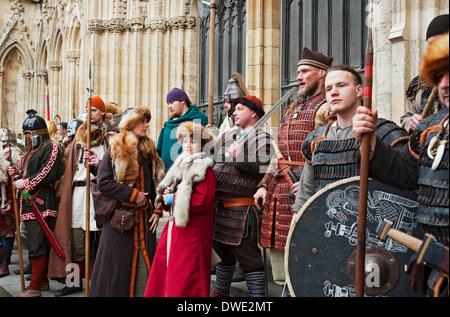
{"x":385,"y":231}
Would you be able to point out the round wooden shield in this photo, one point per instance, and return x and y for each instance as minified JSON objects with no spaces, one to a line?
{"x":321,"y":245}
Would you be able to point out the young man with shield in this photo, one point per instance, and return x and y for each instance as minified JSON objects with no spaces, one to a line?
{"x":331,"y":151}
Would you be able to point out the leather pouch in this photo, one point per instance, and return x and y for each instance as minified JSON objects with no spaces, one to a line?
{"x":104,"y":206}
{"x":122,"y":220}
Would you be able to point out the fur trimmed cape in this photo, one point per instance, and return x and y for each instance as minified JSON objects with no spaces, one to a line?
{"x":187,"y":170}
{"x":125,"y":147}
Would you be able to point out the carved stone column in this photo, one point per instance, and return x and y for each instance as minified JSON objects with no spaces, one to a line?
{"x":263,"y":52}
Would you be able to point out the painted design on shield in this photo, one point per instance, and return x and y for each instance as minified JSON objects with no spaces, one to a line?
{"x":343,"y":212}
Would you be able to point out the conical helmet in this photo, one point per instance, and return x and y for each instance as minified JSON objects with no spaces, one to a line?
{"x":37,"y":126}
{"x":235,"y":88}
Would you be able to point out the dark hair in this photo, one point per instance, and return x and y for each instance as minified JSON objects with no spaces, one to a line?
{"x":351,"y":70}
{"x":63,"y":125}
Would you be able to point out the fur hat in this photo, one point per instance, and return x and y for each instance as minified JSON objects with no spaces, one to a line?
{"x":197,"y":131}
{"x":436,"y":60}
{"x":132,"y":116}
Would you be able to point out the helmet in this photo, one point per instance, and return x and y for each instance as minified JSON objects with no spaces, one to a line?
{"x":235,"y":88}
{"x":35,"y":125}
{"x":4,"y":135}
{"x":73,"y":126}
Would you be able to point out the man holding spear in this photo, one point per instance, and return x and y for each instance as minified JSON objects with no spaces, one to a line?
{"x":72,"y":227}
{"x":422,"y":164}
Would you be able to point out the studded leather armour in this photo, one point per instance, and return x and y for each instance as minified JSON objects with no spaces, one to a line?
{"x":277,"y":214}
{"x":230,"y":224}
{"x":433,"y":211}
{"x":337,"y":159}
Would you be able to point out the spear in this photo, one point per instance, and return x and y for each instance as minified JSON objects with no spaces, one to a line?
{"x":16,"y":211}
{"x":364,"y":172}
{"x":212,"y":26}
{"x":88,"y":184}
{"x":48,"y":102}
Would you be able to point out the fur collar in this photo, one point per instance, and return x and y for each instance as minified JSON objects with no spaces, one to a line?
{"x":125,"y":149}
{"x":186,"y":171}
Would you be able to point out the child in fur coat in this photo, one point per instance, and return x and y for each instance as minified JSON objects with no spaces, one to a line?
{"x":182,"y":263}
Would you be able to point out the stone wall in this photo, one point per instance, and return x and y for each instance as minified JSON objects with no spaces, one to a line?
{"x":140,"y":49}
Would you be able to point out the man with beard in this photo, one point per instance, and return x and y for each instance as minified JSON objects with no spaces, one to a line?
{"x":71,"y":224}
{"x":309,"y":111}
{"x":40,"y":168}
{"x":181,"y":110}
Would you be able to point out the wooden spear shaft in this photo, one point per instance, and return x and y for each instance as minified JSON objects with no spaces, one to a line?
{"x":88,"y":187}
{"x":212,"y":25}
{"x":364,"y":173}
{"x":430,"y":103}
{"x":16,"y":212}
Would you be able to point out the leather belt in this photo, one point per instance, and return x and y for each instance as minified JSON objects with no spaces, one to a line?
{"x":236,"y":202}
{"x":79,"y":184}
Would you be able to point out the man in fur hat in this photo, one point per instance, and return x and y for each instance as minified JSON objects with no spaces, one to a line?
{"x":70,"y":227}
{"x":422,"y":164}
{"x":181,"y":110}
{"x":418,"y":91}
{"x":236,"y":228}
{"x":308,"y":112}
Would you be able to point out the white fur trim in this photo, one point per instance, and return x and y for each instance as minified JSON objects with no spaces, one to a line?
{"x":187,"y":170}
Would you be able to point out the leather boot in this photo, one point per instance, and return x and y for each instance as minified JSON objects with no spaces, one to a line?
{"x":4,"y":270}
{"x":66,"y":290}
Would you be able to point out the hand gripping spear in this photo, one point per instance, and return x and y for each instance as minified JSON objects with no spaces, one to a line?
{"x":364,"y":173}
{"x":16,"y":212}
{"x":88,"y":185}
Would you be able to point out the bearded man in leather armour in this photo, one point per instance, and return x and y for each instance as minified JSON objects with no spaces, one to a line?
{"x":309,"y":111}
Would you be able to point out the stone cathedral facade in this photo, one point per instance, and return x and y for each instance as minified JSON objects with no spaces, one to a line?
{"x":138,"y":50}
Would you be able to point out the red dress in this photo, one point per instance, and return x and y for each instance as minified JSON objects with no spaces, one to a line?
{"x":188,"y":273}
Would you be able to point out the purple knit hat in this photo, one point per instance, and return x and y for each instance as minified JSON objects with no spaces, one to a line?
{"x":177,"y":94}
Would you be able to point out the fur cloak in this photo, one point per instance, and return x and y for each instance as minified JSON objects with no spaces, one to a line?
{"x":185,"y":269}
{"x":187,"y":170}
